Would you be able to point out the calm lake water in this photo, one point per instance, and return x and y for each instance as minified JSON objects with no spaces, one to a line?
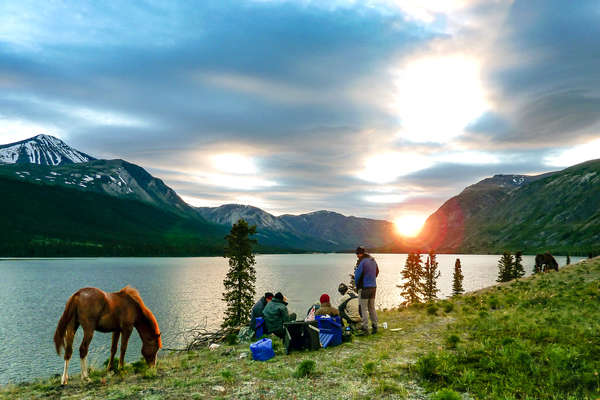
{"x":182,"y":293}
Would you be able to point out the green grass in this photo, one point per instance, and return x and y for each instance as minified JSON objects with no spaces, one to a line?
{"x":537,"y":338}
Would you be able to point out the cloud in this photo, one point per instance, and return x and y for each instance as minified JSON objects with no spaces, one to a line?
{"x":318,"y":104}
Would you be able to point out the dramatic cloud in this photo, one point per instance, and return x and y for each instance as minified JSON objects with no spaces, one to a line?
{"x":381,"y":108}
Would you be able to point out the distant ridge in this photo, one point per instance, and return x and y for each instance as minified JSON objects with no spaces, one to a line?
{"x":556,"y":211}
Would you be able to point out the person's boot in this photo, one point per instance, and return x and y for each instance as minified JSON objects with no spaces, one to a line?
{"x":374,"y":331}
{"x":362,"y":332}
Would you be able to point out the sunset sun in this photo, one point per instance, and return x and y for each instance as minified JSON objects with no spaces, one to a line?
{"x":409,"y":225}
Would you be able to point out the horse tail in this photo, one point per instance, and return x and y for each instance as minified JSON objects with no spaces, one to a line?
{"x":61,"y":328}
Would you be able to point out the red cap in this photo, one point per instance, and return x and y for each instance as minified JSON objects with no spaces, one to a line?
{"x":324,"y":298}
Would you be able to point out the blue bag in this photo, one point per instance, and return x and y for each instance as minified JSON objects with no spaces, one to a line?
{"x":262,"y":350}
{"x":260,"y":325}
{"x":330,"y":330}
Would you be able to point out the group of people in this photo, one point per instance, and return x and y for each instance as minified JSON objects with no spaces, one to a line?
{"x":353,"y":308}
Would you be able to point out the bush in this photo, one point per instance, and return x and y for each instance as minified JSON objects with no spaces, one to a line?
{"x":452,"y":341}
{"x":432,"y":309}
{"x":231,"y":339}
{"x":305,"y":368}
{"x":426,"y":366}
{"x":446,"y":394}
{"x":448,"y":307}
{"x":369,"y":368}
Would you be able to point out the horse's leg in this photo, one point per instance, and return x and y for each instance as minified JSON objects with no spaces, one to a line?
{"x":69,"y":337}
{"x":88,"y":334}
{"x":125,"y":333}
{"x":113,"y":349}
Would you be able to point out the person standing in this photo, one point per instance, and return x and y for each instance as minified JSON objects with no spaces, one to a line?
{"x":365,"y":278}
{"x":257,"y":310}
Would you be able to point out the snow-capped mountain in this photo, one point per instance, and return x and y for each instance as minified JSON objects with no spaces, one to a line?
{"x":48,"y":160}
{"x":41,"y":150}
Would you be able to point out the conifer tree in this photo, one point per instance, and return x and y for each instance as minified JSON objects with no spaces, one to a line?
{"x":412,"y":274}
{"x":241,"y":277}
{"x":457,"y":280}
{"x":430,"y":277}
{"x":517,"y":270}
{"x":505,"y":267}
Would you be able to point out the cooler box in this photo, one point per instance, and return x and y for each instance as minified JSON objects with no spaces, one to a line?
{"x":262,"y":350}
{"x":330,"y":330}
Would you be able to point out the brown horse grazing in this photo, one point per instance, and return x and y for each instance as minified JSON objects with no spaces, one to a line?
{"x":547,"y":261}
{"x":118,"y":313}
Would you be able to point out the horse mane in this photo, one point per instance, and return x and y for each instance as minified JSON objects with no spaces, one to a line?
{"x":146,"y":313}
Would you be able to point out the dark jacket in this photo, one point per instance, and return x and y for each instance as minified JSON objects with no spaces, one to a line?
{"x":366,"y":273}
{"x":257,"y":311}
{"x":275,"y":314}
{"x":326,"y":309}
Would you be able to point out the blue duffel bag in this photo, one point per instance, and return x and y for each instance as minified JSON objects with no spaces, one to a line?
{"x":262,"y":350}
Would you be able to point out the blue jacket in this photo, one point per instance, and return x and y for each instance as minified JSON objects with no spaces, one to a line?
{"x":366,"y":273}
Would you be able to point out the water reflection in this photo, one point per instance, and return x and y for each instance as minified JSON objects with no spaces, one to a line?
{"x":182,"y":293}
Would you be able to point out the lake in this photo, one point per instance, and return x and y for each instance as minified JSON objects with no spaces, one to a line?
{"x":182,"y":293}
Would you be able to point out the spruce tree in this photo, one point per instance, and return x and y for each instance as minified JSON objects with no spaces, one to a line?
{"x":457,"y":280}
{"x":430,"y":277}
{"x":505,"y":267}
{"x":517,"y":270}
{"x":412,"y":274}
{"x":241,"y":277}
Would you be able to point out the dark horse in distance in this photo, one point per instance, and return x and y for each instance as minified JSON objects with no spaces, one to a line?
{"x":118,"y":313}
{"x":546,"y":261}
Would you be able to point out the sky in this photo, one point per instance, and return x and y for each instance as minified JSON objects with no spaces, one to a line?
{"x":377,"y":108}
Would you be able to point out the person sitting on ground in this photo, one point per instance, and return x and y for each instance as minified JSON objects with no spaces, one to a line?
{"x":276,"y":314}
{"x":257,"y":310}
{"x":348,"y":307}
{"x":325,"y":308}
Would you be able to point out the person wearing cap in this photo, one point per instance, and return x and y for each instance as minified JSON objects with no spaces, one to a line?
{"x":365,"y":278}
{"x":348,"y":308}
{"x":325,"y":307}
{"x":257,"y":310}
{"x":276,"y":314}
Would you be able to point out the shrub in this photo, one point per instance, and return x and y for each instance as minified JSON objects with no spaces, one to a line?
{"x":227,"y":375}
{"x":452,"y":341}
{"x":432,"y":309}
{"x":448,"y":307}
{"x":231,"y":339}
{"x":426,"y":366}
{"x":139,"y":366}
{"x":494,"y":303}
{"x":305,"y":368}
{"x":446,"y":394}
{"x":369,"y":368}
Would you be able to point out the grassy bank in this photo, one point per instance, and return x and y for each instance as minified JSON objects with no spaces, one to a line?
{"x":538,"y":338}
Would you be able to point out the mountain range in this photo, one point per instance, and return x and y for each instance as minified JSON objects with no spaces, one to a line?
{"x":58,"y":200}
{"x":557,"y":212}
{"x":48,"y":161}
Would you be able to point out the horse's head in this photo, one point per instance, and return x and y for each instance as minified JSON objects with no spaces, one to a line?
{"x":150,"y":347}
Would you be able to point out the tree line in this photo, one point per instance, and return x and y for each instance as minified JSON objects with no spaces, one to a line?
{"x":420,"y":279}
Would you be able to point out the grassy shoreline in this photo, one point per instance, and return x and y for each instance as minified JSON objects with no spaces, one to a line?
{"x":536,"y":338}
